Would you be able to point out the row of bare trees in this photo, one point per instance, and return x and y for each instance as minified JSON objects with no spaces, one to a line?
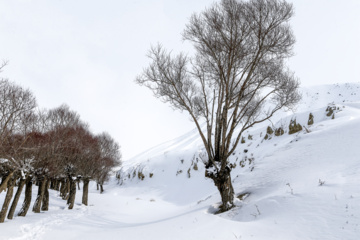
{"x":50,"y":148}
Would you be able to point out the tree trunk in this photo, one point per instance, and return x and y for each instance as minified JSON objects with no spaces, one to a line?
{"x":101,"y":188}
{"x":27,"y":200}
{"x":223,"y":182}
{"x":57,"y":185}
{"x":85,"y":191}
{"x":40,"y":195}
{"x":4,"y":182}
{"x":7,"y":199}
{"x":45,"y":200}
{"x":16,"y":199}
{"x":67,"y":190}
{"x":97,"y":186}
{"x":72,"y":193}
{"x":52,"y":183}
{"x":62,"y":188}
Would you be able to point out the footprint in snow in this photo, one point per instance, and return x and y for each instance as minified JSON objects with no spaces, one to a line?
{"x":34,"y":231}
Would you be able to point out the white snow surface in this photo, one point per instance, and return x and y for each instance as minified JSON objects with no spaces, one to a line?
{"x":299,"y":186}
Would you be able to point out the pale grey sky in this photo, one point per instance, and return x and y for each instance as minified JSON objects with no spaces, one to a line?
{"x":87,"y":53}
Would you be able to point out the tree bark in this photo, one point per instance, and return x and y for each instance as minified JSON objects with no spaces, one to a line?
{"x":27,"y":201}
{"x":72,"y":193}
{"x":85,"y":191}
{"x":7,"y":199}
{"x":57,"y":185}
{"x":67,"y":190}
{"x":40,"y":195}
{"x":97,"y":186}
{"x":16,"y":199}
{"x":62,"y":188}
{"x":4,"y":182}
{"x":222,"y":181}
{"x":45,"y":200}
{"x":101,"y":188}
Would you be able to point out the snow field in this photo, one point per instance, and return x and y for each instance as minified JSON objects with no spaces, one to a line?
{"x":300,"y":186}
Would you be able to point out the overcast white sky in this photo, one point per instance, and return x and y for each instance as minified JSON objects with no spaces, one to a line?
{"x":87,"y":53}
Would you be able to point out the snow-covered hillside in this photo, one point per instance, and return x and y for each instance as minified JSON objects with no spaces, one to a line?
{"x":299,"y":186}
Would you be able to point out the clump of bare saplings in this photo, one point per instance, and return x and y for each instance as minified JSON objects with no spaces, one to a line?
{"x":52,"y":149}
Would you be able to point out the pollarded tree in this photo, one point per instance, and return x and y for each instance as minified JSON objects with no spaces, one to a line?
{"x":88,"y":164}
{"x":83,"y":153}
{"x":110,"y":157}
{"x":236,"y":79}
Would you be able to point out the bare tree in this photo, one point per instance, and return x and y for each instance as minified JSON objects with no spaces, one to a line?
{"x":236,"y":79}
{"x":15,"y":102}
{"x":110,"y":157}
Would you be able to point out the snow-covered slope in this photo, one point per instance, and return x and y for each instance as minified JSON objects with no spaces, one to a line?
{"x":299,"y":186}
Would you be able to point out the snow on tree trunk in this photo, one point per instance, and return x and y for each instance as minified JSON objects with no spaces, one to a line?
{"x":27,"y":201}
{"x":222,"y":180}
{"x":226,"y":190}
{"x":16,"y":199}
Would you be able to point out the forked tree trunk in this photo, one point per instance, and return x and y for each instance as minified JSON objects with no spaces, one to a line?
{"x":85,"y":191}
{"x":45,"y":200}
{"x":7,"y":199}
{"x":72,"y":193}
{"x":27,"y":201}
{"x":222,"y":181}
{"x":16,"y":199}
{"x":40,"y":195}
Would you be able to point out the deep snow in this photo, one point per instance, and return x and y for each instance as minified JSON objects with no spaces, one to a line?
{"x":300,"y":186}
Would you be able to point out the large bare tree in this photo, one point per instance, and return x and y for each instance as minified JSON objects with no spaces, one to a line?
{"x":15,"y":102}
{"x":236,"y":78}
